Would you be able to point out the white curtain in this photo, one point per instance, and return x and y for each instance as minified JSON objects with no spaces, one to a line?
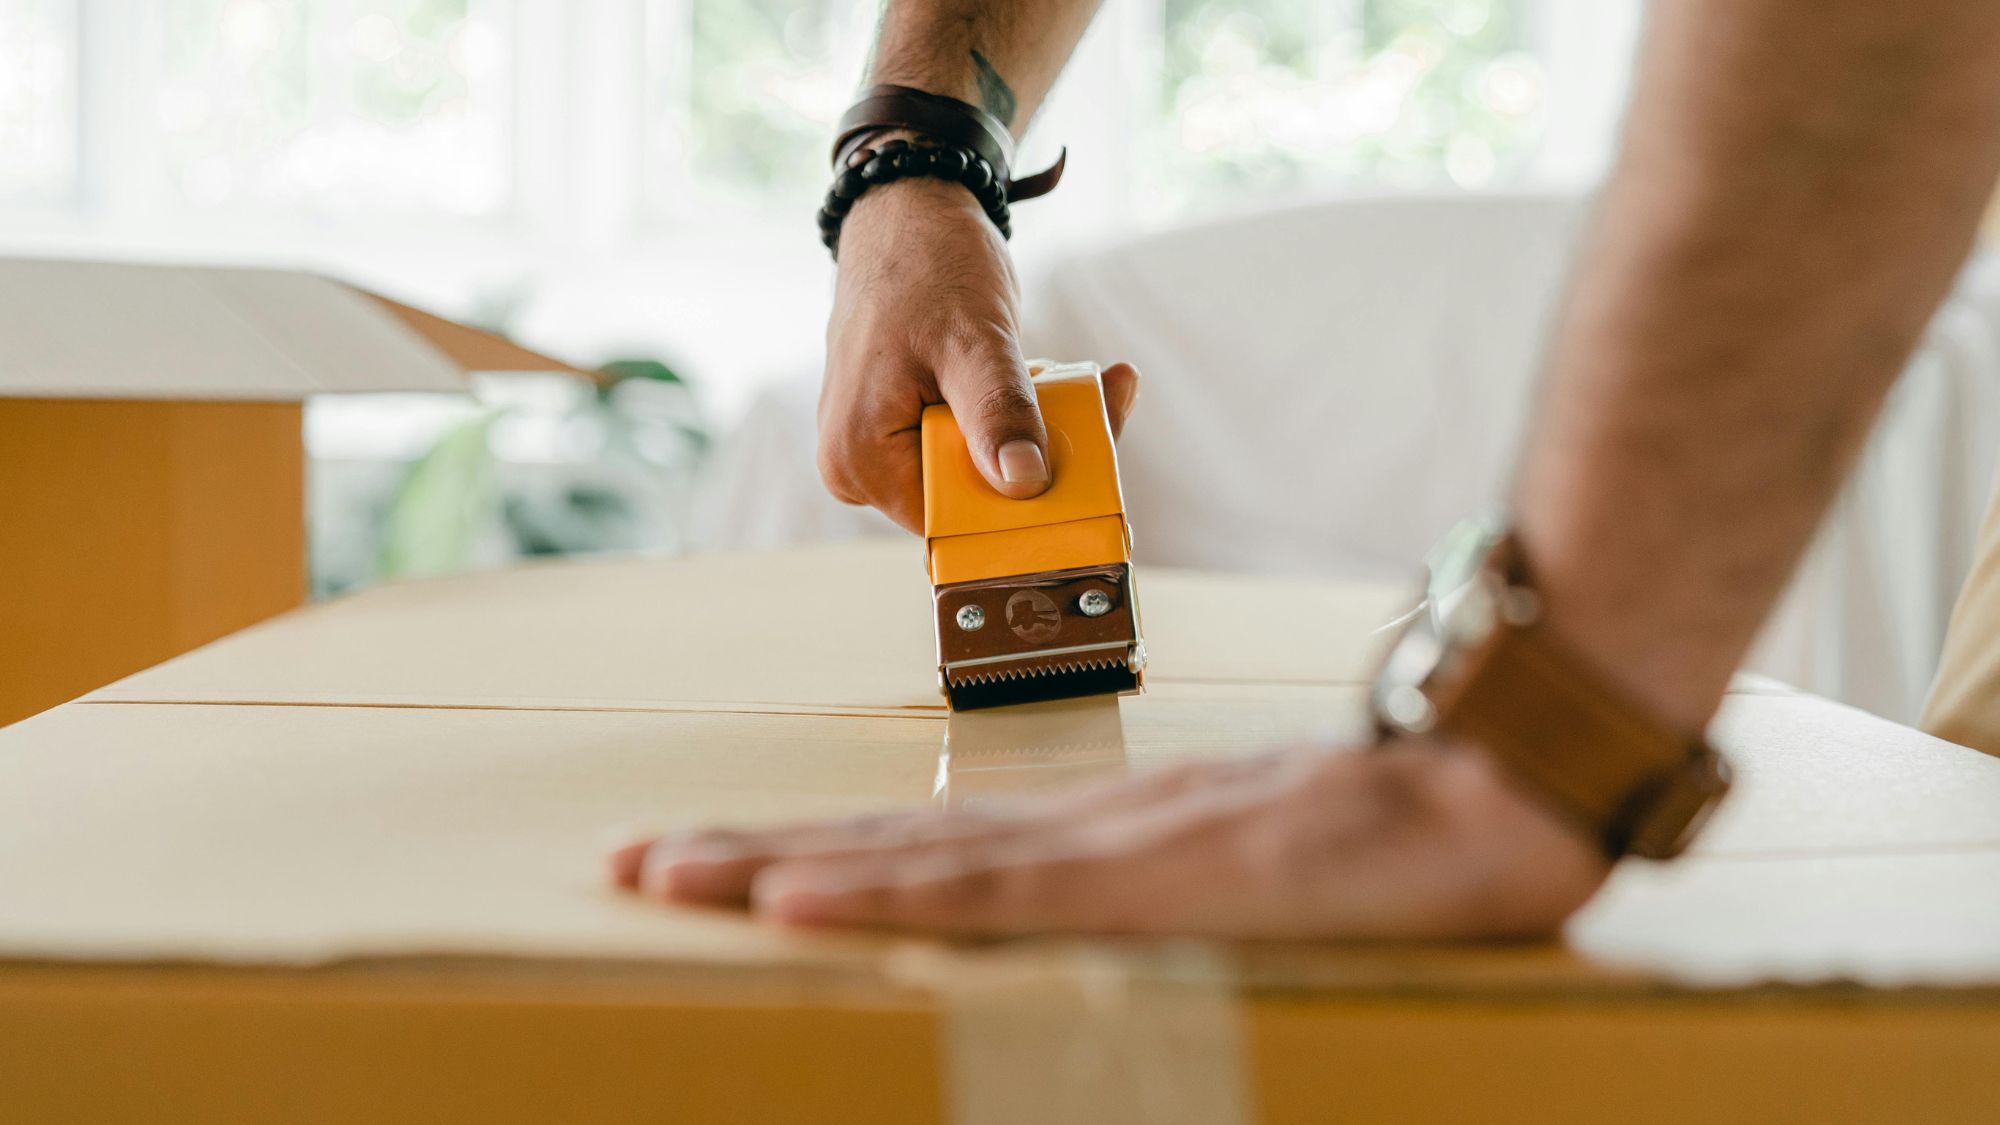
{"x":1328,"y":388}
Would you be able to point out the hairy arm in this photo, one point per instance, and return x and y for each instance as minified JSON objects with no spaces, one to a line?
{"x":925,"y":303}
{"x":998,"y":55}
{"x":1800,"y":181}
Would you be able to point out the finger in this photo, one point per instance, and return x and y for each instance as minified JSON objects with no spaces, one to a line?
{"x":976,"y":889}
{"x":717,"y":866}
{"x":625,"y":863}
{"x":985,"y":382}
{"x":869,"y":454}
{"x":1121,"y":391}
{"x":1096,"y":871}
{"x":889,"y":477}
{"x":1016,"y":886}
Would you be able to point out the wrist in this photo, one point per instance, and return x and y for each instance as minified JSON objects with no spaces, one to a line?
{"x":1628,"y":629}
{"x":901,"y":202}
{"x":942,"y":138}
{"x":959,"y":175}
{"x":1488,"y":664}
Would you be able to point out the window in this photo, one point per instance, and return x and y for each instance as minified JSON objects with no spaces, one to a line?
{"x":744,"y":94}
{"x":1250,"y":94}
{"x":638,"y":176}
{"x":385,"y":105}
{"x":38,"y":101}
{"x":1283,"y":93}
{"x":478,"y":108}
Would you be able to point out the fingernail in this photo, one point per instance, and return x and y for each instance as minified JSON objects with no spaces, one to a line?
{"x":627,"y":863}
{"x":1021,"y":463}
{"x":1130,"y":396}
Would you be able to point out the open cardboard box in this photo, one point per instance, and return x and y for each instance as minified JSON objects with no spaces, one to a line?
{"x":152,"y":471}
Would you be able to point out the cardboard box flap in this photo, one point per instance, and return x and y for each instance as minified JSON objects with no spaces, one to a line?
{"x":725,"y":629}
{"x":122,"y":330}
{"x":472,"y":349}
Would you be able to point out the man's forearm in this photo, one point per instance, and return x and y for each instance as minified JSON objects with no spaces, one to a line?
{"x":1800,"y":182}
{"x":998,"y":55}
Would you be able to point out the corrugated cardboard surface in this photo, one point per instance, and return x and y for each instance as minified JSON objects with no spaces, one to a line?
{"x":151,"y":465}
{"x":131,"y":532}
{"x":395,"y":861}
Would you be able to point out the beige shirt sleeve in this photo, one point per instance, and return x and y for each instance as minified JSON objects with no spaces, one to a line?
{"x":1964,"y":705}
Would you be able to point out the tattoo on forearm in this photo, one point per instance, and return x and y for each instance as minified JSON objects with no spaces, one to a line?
{"x":994,"y":93}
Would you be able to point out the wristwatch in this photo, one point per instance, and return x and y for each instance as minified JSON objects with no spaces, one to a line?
{"x":1478,"y":661}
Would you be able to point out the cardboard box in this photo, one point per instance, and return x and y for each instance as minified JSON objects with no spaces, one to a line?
{"x":348,"y":865}
{"x":151,"y":466}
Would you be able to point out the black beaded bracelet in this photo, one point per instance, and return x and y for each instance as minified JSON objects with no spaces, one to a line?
{"x":900,"y":160}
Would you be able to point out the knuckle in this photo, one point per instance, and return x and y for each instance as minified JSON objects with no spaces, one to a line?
{"x":881,"y":902}
{"x":1007,"y":403}
{"x":978,"y":334}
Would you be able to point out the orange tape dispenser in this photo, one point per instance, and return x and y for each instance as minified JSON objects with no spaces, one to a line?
{"x":1035,"y":598}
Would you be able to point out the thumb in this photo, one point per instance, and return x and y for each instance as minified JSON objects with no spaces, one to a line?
{"x":994,"y":402}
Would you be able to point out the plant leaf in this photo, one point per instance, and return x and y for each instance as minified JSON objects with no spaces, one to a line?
{"x":443,"y":504}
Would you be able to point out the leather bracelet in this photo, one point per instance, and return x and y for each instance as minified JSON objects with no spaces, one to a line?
{"x":949,"y":121}
{"x":898,"y":159}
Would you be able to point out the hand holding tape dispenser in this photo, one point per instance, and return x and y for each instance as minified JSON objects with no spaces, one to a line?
{"x":1034,"y":598}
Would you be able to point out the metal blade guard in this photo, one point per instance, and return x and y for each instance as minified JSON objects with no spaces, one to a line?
{"x":1034,"y":598}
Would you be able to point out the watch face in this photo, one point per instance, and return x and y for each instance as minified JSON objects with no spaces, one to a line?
{"x":1456,"y":611}
{"x":1456,"y":558}
{"x":1398,"y":699}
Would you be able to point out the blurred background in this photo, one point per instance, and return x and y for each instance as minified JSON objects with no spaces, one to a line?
{"x":1359,"y":209}
{"x":619,"y":174}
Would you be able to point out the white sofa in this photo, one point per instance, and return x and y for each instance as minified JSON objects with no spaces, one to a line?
{"x":1328,"y":387}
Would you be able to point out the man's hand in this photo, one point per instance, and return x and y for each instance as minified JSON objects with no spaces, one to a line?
{"x":924,"y":312}
{"x":1422,"y":840}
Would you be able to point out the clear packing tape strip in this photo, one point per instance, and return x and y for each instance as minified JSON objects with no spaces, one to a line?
{"x":1087,"y":1035}
{"x":1005,"y":752}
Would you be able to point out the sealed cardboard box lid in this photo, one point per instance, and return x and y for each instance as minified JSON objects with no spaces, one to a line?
{"x":77,"y":329}
{"x":393,"y":775}
{"x":354,"y":858}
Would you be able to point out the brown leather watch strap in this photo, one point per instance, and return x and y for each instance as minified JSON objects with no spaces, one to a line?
{"x":946,"y":119}
{"x":1547,"y":717}
{"x":1570,"y":734}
